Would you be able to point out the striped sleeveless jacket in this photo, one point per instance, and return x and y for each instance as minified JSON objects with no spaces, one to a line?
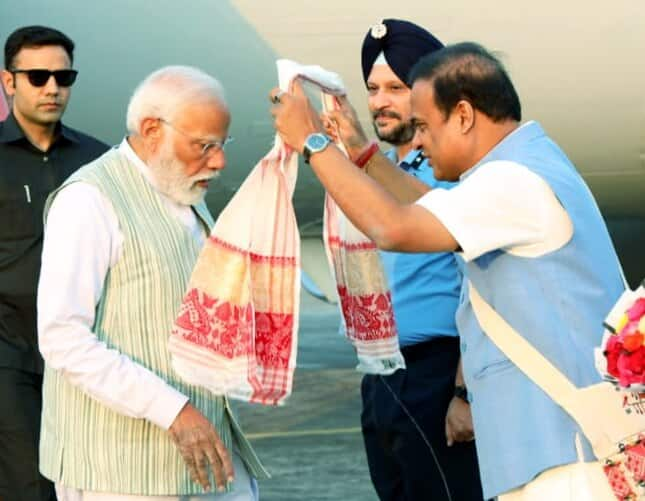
{"x":85,"y":444}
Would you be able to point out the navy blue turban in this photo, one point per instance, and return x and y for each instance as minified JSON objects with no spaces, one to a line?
{"x":403,"y":44}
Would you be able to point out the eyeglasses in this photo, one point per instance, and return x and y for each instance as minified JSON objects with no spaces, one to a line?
{"x":38,"y":78}
{"x":208,"y":147}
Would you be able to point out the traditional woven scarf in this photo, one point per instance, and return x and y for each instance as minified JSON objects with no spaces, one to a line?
{"x":236,"y":331}
{"x":363,"y":292}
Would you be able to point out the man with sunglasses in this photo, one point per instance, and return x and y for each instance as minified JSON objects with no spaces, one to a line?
{"x":37,"y":153}
{"x":122,"y":236}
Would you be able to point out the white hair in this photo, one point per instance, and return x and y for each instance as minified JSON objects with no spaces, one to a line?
{"x":164,"y":93}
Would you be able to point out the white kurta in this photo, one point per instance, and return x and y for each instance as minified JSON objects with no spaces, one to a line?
{"x":66,"y":311}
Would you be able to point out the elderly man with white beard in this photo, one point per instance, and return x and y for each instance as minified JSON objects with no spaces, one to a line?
{"x":121,"y":238}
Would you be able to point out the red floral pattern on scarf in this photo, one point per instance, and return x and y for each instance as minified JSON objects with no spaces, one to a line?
{"x":226,"y":329}
{"x":636,"y":461}
{"x":618,"y":482}
{"x":368,"y":317}
{"x":214,"y":324}
{"x":273,"y":339}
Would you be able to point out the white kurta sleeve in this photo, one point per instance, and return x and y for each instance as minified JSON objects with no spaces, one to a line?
{"x":502,"y":205}
{"x":82,"y":241}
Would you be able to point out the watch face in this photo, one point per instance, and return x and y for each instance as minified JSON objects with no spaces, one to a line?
{"x":316,"y":142}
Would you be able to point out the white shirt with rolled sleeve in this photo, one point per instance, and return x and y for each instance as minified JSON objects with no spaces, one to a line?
{"x":502,"y":205}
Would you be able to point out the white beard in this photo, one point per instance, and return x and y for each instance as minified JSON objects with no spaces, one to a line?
{"x":170,"y":179}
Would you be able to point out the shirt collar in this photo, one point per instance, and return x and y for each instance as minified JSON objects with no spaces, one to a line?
{"x":529,"y":127}
{"x":413,"y":159}
{"x":10,"y":131}
{"x":411,"y":156}
{"x":67,"y":133}
{"x":141,"y":166}
{"x":391,"y":155}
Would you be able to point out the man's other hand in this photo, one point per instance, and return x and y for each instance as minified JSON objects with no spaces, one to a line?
{"x":343,"y":124}
{"x":294,"y":116}
{"x":200,"y":445}
{"x":459,"y":422}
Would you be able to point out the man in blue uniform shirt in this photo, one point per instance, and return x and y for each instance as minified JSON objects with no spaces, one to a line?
{"x":417,"y":431}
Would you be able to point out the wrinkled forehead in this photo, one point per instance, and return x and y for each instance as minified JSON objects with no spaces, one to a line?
{"x":205,"y":117}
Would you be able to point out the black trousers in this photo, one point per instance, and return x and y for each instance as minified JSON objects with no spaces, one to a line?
{"x":20,"y":406}
{"x":403,"y":423}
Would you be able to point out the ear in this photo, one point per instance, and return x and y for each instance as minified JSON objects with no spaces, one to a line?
{"x":151,"y":129}
{"x":151,"y":135}
{"x":8,"y":82}
{"x":466,"y":115}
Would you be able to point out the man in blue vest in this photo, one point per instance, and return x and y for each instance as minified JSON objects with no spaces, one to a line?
{"x":532,"y":240}
{"x":416,"y":423}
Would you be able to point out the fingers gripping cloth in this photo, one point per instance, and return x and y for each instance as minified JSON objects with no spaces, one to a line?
{"x":236,"y":331}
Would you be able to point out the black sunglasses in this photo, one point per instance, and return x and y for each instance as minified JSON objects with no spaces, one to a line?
{"x":38,"y":78}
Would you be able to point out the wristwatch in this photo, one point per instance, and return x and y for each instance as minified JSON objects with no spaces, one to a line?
{"x":461,"y":392}
{"x":314,"y":143}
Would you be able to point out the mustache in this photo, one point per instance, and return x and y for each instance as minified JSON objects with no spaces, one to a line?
{"x":385,"y":114}
{"x":210,"y":177}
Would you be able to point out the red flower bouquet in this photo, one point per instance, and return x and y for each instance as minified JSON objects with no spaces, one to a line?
{"x":621,"y":357}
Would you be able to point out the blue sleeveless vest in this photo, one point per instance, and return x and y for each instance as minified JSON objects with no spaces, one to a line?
{"x":557,"y":302}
